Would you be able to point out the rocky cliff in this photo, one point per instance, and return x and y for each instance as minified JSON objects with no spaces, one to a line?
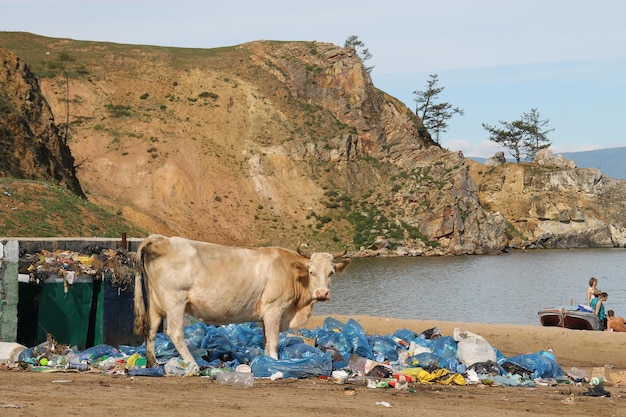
{"x":30,"y":144}
{"x":553,"y":204}
{"x":288,"y":142}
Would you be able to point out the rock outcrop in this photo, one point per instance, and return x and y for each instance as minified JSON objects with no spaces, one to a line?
{"x":30,"y":144}
{"x":552,"y":204}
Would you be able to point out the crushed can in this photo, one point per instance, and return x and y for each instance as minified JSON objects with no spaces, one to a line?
{"x":78,"y":366}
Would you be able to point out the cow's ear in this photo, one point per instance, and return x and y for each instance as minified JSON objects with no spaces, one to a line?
{"x":340,"y":266}
{"x":301,"y":272}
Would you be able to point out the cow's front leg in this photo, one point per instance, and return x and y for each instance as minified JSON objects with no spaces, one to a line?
{"x":271,"y":330}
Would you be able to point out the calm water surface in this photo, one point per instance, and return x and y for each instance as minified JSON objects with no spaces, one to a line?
{"x":480,"y":288}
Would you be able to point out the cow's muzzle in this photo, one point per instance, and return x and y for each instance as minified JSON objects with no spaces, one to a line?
{"x":322,"y":294}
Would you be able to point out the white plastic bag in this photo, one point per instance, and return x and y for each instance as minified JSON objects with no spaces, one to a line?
{"x":473,"y":348}
{"x":10,"y":351}
{"x":176,"y":366}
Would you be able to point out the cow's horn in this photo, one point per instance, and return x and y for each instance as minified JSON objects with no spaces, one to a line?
{"x":302,"y":252}
{"x":339,"y":254}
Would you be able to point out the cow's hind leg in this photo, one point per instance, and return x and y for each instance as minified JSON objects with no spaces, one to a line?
{"x":175,"y":328}
{"x":155,"y":322}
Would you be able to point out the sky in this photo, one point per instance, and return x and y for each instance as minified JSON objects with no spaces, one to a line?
{"x":496,"y":59}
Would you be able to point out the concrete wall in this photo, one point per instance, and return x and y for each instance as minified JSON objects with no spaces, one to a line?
{"x":9,"y":290}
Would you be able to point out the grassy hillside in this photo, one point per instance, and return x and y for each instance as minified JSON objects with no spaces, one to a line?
{"x":38,"y":209}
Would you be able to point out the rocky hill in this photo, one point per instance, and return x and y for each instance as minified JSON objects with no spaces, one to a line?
{"x":30,"y":144}
{"x":287,"y":142}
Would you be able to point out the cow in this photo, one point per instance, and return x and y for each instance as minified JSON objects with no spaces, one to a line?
{"x":226,"y":284}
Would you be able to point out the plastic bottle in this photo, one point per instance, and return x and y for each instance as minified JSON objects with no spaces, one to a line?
{"x":57,"y":361}
{"x":240,"y":379}
{"x":94,"y":353}
{"x":109,"y":363}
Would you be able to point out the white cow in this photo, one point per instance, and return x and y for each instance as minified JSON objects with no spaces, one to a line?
{"x":222,"y":284}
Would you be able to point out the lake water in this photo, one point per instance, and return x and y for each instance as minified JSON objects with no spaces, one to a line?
{"x":508,"y":288}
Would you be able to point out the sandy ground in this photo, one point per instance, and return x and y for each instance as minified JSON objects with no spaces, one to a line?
{"x":25,"y":393}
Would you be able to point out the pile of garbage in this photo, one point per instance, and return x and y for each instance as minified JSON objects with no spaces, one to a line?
{"x":118,"y":265}
{"x":339,"y":351}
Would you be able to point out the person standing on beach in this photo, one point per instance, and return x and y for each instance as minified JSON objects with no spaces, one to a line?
{"x":614,"y":324}
{"x":592,"y":290}
{"x":597,"y":304}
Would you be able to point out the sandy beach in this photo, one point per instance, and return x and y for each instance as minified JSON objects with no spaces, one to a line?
{"x":26,"y":393}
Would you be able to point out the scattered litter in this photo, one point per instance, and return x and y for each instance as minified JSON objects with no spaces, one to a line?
{"x":336,"y":352}
{"x":92,"y":260}
{"x":597,"y":391}
{"x":383,"y":403}
{"x":568,"y":400}
{"x":339,"y":377}
{"x":276,"y":375}
{"x":12,"y":406}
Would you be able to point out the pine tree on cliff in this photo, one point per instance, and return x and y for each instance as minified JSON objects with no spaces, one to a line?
{"x":355,"y":43}
{"x":434,"y":115}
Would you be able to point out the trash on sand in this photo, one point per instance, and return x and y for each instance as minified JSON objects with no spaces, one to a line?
{"x":597,"y":391}
{"x":342,"y":353}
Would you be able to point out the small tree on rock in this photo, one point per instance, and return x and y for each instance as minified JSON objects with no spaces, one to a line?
{"x":355,"y":43}
{"x":434,"y":115}
{"x":536,"y":137}
{"x":523,"y":137}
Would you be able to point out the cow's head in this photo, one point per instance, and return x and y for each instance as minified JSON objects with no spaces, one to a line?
{"x":321,"y":268}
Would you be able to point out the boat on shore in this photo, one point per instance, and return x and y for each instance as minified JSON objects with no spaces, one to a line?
{"x":571,"y":317}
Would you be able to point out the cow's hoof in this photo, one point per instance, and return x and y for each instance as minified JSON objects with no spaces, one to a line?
{"x":193,"y":371}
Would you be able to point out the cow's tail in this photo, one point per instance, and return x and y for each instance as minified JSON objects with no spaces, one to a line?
{"x":142,"y":320}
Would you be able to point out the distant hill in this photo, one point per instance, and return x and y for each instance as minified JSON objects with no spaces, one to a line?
{"x":611,"y":161}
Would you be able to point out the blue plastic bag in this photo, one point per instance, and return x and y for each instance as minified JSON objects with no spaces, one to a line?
{"x":195,"y":333}
{"x":246,"y":336}
{"x":445,"y":347}
{"x":539,"y":365}
{"x":316,"y":365}
{"x":154,"y":371}
{"x":357,"y":338}
{"x":331,"y":324}
{"x":406,"y":335}
{"x":93,"y":354}
{"x":334,"y":340}
{"x":384,"y":346}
